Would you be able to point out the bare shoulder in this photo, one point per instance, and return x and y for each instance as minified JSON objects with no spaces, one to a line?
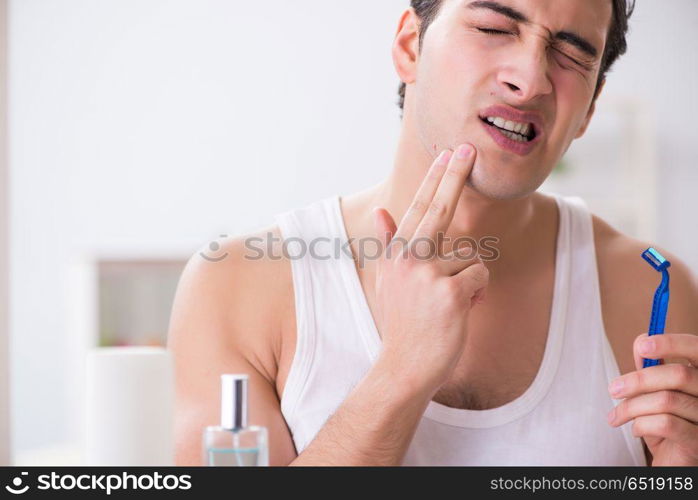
{"x":627,"y":286}
{"x":245,"y":284}
{"x":231,"y":305}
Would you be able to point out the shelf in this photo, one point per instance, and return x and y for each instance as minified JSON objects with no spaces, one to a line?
{"x":135,"y":300}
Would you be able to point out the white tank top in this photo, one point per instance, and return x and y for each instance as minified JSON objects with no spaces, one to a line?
{"x":559,"y":420}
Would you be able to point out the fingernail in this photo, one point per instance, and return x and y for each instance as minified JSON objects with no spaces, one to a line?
{"x":463,"y":151}
{"x":616,"y":386}
{"x":612,"y":416}
{"x":444,"y":157}
{"x":646,"y":346}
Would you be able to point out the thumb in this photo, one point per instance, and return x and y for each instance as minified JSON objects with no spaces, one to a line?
{"x":474,"y":280}
{"x":384,"y":225}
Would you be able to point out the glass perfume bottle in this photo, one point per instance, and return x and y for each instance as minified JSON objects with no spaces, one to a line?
{"x":233,"y":443}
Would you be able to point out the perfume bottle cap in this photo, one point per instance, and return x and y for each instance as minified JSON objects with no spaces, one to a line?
{"x":234,"y":401}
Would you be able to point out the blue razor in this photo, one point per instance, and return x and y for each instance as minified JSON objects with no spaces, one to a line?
{"x":661,"y":297}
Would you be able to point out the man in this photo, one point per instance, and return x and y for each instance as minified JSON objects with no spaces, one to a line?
{"x":452,"y":359}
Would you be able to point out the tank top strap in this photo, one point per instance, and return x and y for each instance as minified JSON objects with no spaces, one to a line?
{"x":292,"y":225}
{"x":588,"y":352}
{"x":326,"y":301}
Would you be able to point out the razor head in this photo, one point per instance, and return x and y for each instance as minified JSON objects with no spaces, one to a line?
{"x":655,"y":259}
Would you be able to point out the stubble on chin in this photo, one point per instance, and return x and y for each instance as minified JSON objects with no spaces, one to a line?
{"x":488,"y":184}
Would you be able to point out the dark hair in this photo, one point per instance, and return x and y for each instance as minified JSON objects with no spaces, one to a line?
{"x":616,"y":45}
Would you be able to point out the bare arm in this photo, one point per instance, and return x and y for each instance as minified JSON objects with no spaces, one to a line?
{"x":221,"y":319}
{"x":423,"y":309}
{"x":374,"y":425}
{"x":207,"y":333}
{"x":215,"y":329}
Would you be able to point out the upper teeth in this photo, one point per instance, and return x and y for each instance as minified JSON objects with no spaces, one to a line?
{"x":519,"y":128}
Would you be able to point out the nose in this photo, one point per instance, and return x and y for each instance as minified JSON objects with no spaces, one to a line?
{"x":524,"y":76}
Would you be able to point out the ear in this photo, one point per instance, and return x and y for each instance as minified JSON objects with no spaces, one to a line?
{"x":590,"y":113}
{"x":406,"y":46}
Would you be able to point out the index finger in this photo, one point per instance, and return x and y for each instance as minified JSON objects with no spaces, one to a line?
{"x":423,"y":198}
{"x":443,"y":206}
{"x":670,"y":346}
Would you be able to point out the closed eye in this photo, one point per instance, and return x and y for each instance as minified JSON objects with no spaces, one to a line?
{"x":575,"y":61}
{"x":493,"y":31}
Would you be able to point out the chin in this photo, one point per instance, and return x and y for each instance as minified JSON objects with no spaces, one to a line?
{"x":499,"y":187}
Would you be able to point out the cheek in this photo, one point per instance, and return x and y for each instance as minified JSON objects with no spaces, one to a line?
{"x":449,"y":63}
{"x":447,"y":81}
{"x":573,"y":99}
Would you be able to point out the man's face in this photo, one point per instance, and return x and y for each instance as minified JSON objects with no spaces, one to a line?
{"x":462,"y":71}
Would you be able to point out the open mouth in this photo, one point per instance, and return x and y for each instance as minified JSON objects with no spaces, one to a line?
{"x":520,"y":132}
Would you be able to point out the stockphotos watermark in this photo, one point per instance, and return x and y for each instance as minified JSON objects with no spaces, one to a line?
{"x":99,"y":482}
{"x":369,"y":248}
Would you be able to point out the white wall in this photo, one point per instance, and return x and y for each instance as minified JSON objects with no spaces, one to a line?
{"x":661,"y":67}
{"x":4,"y":245}
{"x":147,"y":127}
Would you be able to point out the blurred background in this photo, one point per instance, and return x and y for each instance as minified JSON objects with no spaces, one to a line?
{"x":135,"y":131}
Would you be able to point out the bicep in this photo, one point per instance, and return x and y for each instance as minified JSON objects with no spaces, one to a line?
{"x":682,"y":313}
{"x":204,"y":345}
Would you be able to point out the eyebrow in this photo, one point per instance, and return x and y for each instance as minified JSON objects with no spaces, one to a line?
{"x":564,"y":36}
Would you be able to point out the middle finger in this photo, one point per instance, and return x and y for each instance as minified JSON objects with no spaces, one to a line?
{"x":423,"y":197}
{"x":442,"y":207}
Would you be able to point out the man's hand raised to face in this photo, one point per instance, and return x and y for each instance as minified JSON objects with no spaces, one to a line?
{"x":423,"y":295}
